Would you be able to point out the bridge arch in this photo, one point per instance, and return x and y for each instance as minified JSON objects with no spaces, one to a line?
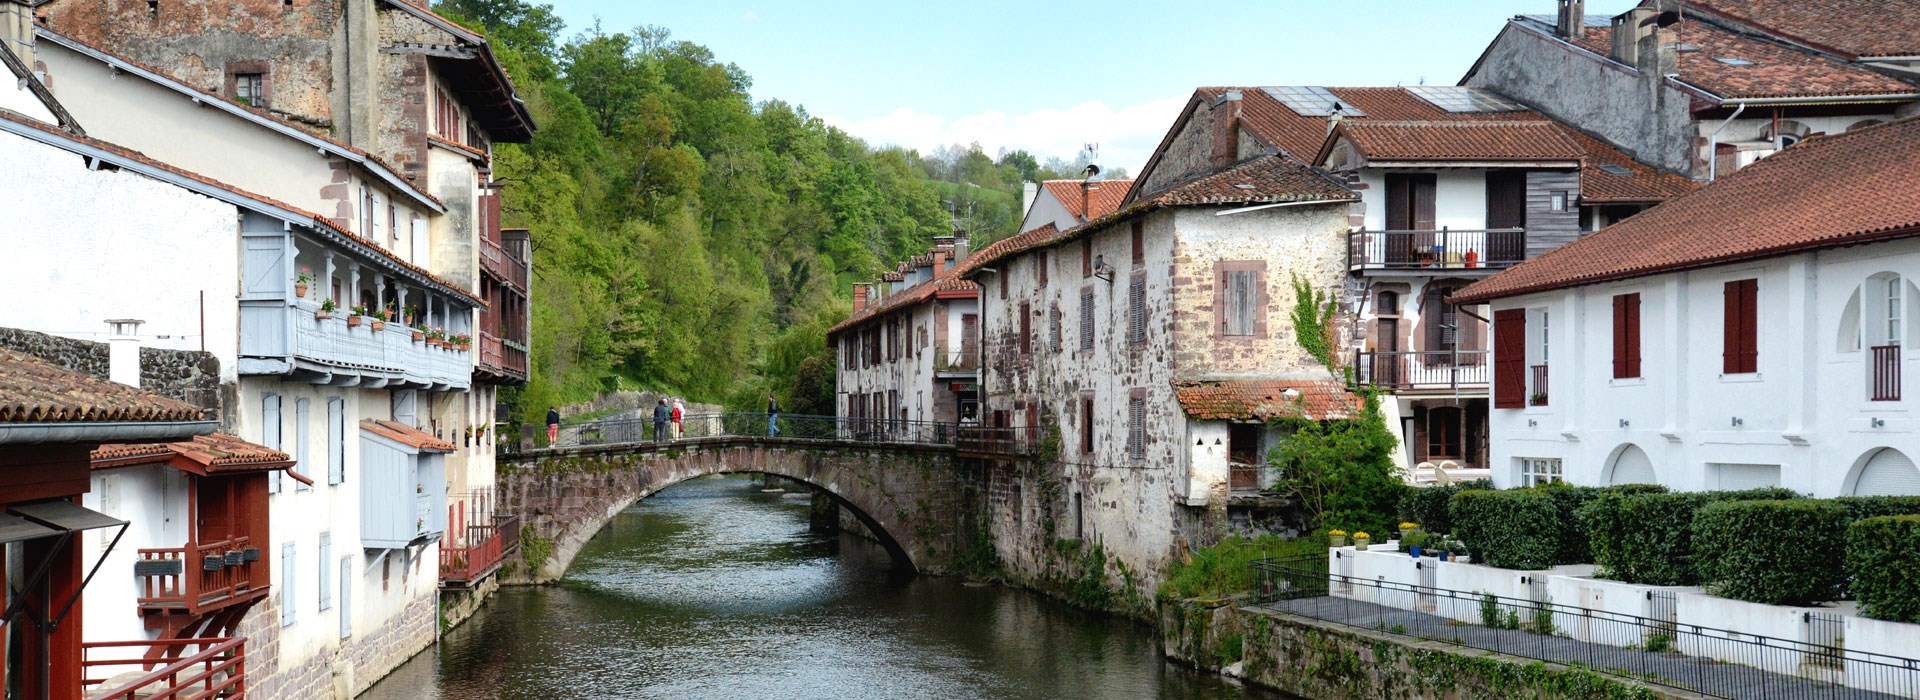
{"x":913,"y":498}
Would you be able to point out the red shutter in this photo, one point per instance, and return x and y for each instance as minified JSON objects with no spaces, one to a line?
{"x":1620,"y":336}
{"x":1510,"y":358}
{"x":1740,"y":354}
{"x":1633,"y":335}
{"x":1026,"y":328}
{"x":492,"y":212}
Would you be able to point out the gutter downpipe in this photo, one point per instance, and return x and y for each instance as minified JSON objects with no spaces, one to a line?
{"x":1713,"y":143}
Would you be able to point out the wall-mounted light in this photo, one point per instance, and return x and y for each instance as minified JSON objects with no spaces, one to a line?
{"x":1737,"y":422}
{"x":1623,"y":423}
{"x":1101,"y":269}
{"x":1879,"y":422}
{"x":1531,"y":423}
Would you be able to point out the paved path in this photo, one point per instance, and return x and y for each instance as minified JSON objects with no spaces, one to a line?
{"x":1707,"y":677}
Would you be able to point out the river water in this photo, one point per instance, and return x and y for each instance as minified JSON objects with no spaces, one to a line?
{"x":714,"y":589}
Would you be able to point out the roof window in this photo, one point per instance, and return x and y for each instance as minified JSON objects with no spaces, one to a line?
{"x":1464,"y":100}
{"x":1312,"y":101}
{"x":1733,"y":60}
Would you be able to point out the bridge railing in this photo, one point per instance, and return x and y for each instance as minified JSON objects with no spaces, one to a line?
{"x":787,"y":426}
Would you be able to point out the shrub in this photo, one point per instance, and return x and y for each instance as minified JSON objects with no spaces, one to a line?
{"x":1647,"y":537}
{"x":1883,"y":558}
{"x":1226,"y":569}
{"x":1428,"y":505}
{"x":1863,"y":507}
{"x":1515,"y":529}
{"x":1773,"y":552}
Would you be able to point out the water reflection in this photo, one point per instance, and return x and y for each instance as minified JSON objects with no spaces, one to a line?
{"x":713,"y":589}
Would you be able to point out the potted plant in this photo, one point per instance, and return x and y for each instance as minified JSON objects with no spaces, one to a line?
{"x":326,"y":309}
{"x":390,"y":313}
{"x":1339,"y":537}
{"x":419,"y":335}
{"x":436,"y":337}
{"x":1360,"y":541}
{"x":1413,"y":542}
{"x":462,"y":341}
{"x":1539,"y":398}
{"x":301,"y":282}
{"x":413,"y":316}
{"x":1408,"y":529}
{"x":354,"y":313}
{"x":379,"y":319}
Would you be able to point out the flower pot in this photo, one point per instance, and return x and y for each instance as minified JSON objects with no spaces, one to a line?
{"x":1414,"y":550}
{"x":1360,"y":545}
{"x":1339,"y":540}
{"x":433,"y":342}
{"x":379,"y":325}
{"x":322,"y":315}
{"x":353,"y":321}
{"x":300,"y":290}
{"x":1445,"y":555}
{"x":418,"y":336}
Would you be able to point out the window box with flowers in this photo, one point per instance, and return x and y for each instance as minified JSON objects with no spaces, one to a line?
{"x":462,"y":342}
{"x":436,"y":337}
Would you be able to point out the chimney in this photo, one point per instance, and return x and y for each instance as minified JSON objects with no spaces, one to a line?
{"x":959,"y":246}
{"x":939,"y":263}
{"x":1087,"y":188}
{"x":1573,"y":19}
{"x":123,"y":351}
{"x":16,"y":30}
{"x":1226,"y":129}
{"x":1628,"y":28}
{"x":1029,"y":191}
{"x":859,"y":297}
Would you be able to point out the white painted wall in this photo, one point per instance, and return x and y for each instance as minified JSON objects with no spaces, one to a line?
{"x":1459,"y":197}
{"x":1047,"y":209}
{"x":153,"y":499}
{"x":1807,"y":409}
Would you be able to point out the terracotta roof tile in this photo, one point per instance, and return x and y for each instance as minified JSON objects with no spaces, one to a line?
{"x":1281,"y":127}
{"x":1826,"y":191}
{"x":1848,"y":28}
{"x":1457,"y":140}
{"x":1258,"y":399}
{"x":916,"y":294}
{"x":1641,"y":183}
{"x":406,"y":435}
{"x":1025,"y":240}
{"x":1102,"y":196}
{"x":33,"y":390}
{"x":1776,"y":70}
{"x":215,"y":453}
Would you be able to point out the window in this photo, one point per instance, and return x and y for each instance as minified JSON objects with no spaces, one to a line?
{"x":1040,"y":267}
{"x":1086,"y":425}
{"x":1410,"y":201}
{"x":1535,"y":471}
{"x":366,"y":211}
{"x":1003,"y":283}
{"x":1137,"y":427}
{"x":346,"y":596}
{"x":270,"y":434}
{"x":250,"y":89}
{"x":1510,"y":358}
{"x":1086,"y":319}
{"x":1443,"y":433}
{"x":1137,"y":311}
{"x":1389,"y":304}
{"x":1558,"y":200}
{"x":336,"y":441}
{"x":1893,"y":311}
{"x":1626,"y":336}
{"x":326,"y":557}
{"x":1053,"y":328}
{"x":1739,"y":353}
{"x":1026,"y":328}
{"x":1086,"y":256}
{"x":1240,"y":298}
{"x":1139,"y":243}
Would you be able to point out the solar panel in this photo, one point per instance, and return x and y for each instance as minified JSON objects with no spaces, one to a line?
{"x":1312,"y":101}
{"x":1463,"y":99}
{"x":1733,"y":61}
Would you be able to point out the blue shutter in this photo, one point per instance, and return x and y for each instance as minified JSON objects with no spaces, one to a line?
{"x":287,"y":601}
{"x":300,"y":444}
{"x":326,"y":555}
{"x":336,"y":441}
{"x":346,"y":596}
{"x":270,"y":434}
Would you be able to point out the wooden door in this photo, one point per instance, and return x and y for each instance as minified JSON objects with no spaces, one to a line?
{"x":215,"y":520}
{"x":1386,"y":358}
{"x":1506,"y":208}
{"x":1409,"y":208}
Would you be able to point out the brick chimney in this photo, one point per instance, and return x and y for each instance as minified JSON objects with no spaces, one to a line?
{"x":939,"y":263}
{"x":1226,"y":129}
{"x":1573,"y":19}
{"x":859,"y":297}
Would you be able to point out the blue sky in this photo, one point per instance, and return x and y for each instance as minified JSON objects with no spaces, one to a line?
{"x":1049,"y":76}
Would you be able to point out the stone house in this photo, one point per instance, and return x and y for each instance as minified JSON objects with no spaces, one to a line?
{"x":909,"y":352}
{"x":1703,"y":88}
{"x":1637,"y":355}
{"x":1087,"y":334}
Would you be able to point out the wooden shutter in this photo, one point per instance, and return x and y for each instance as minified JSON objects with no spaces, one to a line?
{"x":1137,"y":311}
{"x":1399,"y":207}
{"x":326,"y":557}
{"x":1139,"y":243}
{"x":1510,"y":358}
{"x":270,"y":434}
{"x":336,"y":441}
{"x":1740,"y":351}
{"x":1506,"y":199}
{"x":1040,"y":267}
{"x":346,"y":596}
{"x":1053,"y":329}
{"x":1626,"y":336}
{"x":1026,"y":328}
{"x":1422,"y":191}
{"x":1137,"y":428}
{"x":288,"y":603}
{"x":301,"y":438}
{"x":1086,"y":320}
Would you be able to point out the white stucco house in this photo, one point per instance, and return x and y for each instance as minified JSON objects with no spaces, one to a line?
{"x":1748,"y":334}
{"x":909,"y":353}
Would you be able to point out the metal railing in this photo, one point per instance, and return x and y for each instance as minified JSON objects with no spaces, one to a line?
{"x":177,"y":669}
{"x":1484,"y":249}
{"x":1442,"y":369}
{"x":1538,"y":397}
{"x":968,"y":439}
{"x":951,"y":361}
{"x":979,"y":440}
{"x":1886,"y":373}
{"x":1707,"y":661}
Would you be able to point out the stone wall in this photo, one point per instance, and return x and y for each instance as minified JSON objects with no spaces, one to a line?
{"x":339,"y":672}
{"x":457,"y":605}
{"x":1313,"y":659}
{"x":193,"y":377}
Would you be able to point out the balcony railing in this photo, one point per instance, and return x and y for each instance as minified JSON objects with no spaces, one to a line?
{"x":978,"y":440}
{"x":392,"y":353}
{"x":480,"y":550}
{"x":216,"y":573}
{"x":504,"y":265}
{"x":1539,"y":386}
{"x":1886,"y":373}
{"x":1448,"y":249}
{"x":947,"y":361}
{"x":1448,"y":370}
{"x":502,"y":358}
{"x":178,"y":669}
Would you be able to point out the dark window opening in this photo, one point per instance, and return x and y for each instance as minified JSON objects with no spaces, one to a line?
{"x":1243,"y":443}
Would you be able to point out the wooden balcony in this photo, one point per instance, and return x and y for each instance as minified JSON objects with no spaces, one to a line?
{"x":1446,"y":251}
{"x":479,"y":551}
{"x":1441,"y":371}
{"x":501,"y":358}
{"x":338,"y":352}
{"x":505,"y":260}
{"x":180,"y":669}
{"x":201,"y":577}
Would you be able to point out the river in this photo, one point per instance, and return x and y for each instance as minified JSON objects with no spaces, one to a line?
{"x":714,"y":589}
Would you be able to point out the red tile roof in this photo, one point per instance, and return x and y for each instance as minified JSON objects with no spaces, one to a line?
{"x":1260,"y":399}
{"x":1777,"y":70}
{"x":1279,"y":126}
{"x":1845,"y":189}
{"x":1102,"y":196}
{"x":1456,"y":140}
{"x":916,"y":294}
{"x":205,"y":454}
{"x":1849,"y":28}
{"x":1641,"y":184}
{"x":33,"y":390}
{"x":406,"y":435}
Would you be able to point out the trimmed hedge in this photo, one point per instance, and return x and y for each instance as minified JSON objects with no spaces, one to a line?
{"x":1863,"y":507}
{"x":1776,"y":552}
{"x":1514,"y":529}
{"x":1428,"y":505}
{"x":1883,"y":556}
{"x":1647,"y":538}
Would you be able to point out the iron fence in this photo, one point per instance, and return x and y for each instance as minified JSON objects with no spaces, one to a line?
{"x":1703,"y":661}
{"x":784,"y":425}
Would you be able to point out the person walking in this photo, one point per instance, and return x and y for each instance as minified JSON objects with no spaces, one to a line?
{"x":553,"y":426}
{"x":679,"y":413}
{"x":660,"y":416}
{"x":773,"y":416}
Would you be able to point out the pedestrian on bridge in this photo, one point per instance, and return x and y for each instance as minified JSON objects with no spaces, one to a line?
{"x":773,"y":416}
{"x":553,"y":426}
{"x":679,"y":413}
{"x":660,"y":415}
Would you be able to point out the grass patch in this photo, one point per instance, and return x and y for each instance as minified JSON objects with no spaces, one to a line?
{"x":1224,"y":569}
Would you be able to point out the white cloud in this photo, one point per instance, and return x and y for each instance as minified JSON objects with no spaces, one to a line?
{"x":1127,"y":136}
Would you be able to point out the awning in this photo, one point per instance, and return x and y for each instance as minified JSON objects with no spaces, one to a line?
{"x":14,"y":528}
{"x":65,"y":515}
{"x":47,"y":519}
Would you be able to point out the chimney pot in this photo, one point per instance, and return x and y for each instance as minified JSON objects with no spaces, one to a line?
{"x":939,"y":263}
{"x":1573,"y":19}
{"x":859,"y":297}
{"x":123,"y":351}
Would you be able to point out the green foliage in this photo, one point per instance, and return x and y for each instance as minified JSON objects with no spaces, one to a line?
{"x":1225,"y":569}
{"x":1863,"y":507}
{"x":1513,"y":529}
{"x":1313,"y":324}
{"x":1773,"y":552}
{"x":1342,"y":471}
{"x":1647,"y":538}
{"x":1883,"y":558}
{"x":1659,"y":642}
{"x":1428,"y":505}
{"x":534,"y":549}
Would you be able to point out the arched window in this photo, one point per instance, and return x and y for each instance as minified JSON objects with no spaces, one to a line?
{"x":1888,"y":472}
{"x":1849,"y":336}
{"x":1891,"y":315}
{"x":1631,"y":466}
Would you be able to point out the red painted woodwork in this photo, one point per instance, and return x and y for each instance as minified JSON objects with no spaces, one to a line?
{"x":1510,"y":358}
{"x":1626,"y":336}
{"x":1886,"y":373}
{"x":206,"y":668}
{"x":1740,"y":353}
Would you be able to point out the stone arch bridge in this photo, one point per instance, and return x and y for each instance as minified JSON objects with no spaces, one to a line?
{"x":916,"y":486}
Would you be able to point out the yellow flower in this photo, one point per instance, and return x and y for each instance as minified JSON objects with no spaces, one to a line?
{"x":1360,"y":536}
{"x":1409,"y":526}
{"x":1337,"y":533}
